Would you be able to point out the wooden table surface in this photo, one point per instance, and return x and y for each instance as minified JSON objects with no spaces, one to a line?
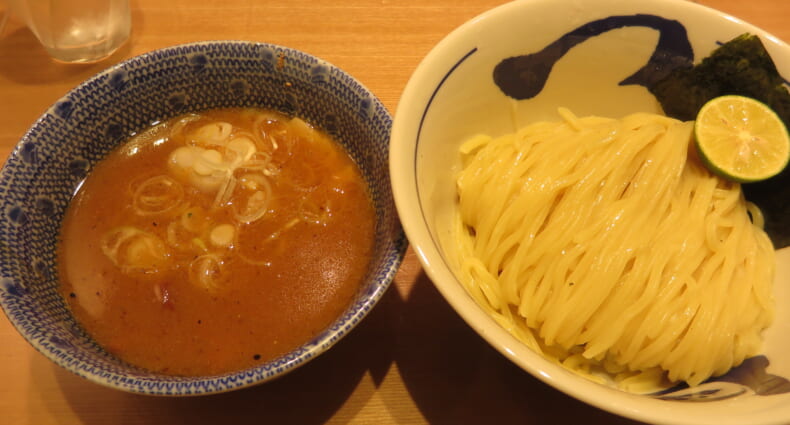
{"x":412,"y":360}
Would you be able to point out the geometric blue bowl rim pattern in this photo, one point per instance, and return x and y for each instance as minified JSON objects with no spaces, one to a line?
{"x":58,"y":151}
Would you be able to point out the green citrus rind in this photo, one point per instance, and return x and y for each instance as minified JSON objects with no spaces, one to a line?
{"x":741,"y":139}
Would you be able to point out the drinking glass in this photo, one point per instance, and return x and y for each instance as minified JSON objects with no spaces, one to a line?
{"x":76,"y":30}
{"x":3,"y":16}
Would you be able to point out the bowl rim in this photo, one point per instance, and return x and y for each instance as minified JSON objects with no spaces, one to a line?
{"x":392,"y":254}
{"x":403,"y":156}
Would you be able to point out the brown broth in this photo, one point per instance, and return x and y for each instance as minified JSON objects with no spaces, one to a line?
{"x":283,"y":280}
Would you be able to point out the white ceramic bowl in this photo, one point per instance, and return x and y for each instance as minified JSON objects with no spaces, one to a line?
{"x":452,"y":96}
{"x":53,"y":157}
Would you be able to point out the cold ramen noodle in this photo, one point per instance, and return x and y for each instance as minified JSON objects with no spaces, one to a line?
{"x":216,"y":241}
{"x":607,"y":246}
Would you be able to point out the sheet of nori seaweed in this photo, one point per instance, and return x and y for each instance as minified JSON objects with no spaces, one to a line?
{"x":741,"y":66}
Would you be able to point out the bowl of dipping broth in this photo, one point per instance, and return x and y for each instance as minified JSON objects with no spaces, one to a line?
{"x":544,"y":168}
{"x":199,"y":219}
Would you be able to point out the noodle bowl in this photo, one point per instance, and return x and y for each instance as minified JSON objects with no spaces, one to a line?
{"x":452,"y":96}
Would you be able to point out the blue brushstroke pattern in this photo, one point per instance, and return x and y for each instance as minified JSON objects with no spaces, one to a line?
{"x":523,"y":77}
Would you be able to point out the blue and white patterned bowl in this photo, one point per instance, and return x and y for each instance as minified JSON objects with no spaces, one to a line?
{"x":49,"y":162}
{"x":595,"y":57}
